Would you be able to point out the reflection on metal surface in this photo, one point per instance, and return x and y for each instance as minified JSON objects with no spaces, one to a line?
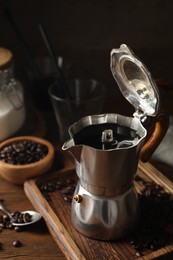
{"x":104,"y":217}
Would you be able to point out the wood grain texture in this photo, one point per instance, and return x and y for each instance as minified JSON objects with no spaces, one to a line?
{"x":56,"y":213}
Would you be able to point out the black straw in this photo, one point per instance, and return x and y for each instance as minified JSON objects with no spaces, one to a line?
{"x":21,"y":39}
{"x":53,"y":59}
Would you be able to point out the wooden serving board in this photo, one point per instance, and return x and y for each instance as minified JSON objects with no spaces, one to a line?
{"x":56,"y":213}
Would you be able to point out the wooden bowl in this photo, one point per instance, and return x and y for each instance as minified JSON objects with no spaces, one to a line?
{"x":17,"y":174}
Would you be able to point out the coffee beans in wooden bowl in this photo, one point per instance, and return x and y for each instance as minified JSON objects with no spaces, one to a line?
{"x":25,"y":157}
{"x":23,"y":152}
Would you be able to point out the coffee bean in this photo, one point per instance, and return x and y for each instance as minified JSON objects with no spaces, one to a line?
{"x":15,"y":216}
{"x":1,"y":218}
{"x":14,"y":219}
{"x":69,"y":181}
{"x":60,"y":184}
{"x":132,"y":242}
{"x":138,"y":253}
{"x":5,"y":219}
{"x":20,"y":219}
{"x":18,"y":229}
{"x":9,"y":225}
{"x":51,"y":187}
{"x":44,"y":187}
{"x":17,"y":243}
{"x":26,"y":217}
{"x":153,"y":246}
{"x":67,"y":198}
{"x":67,"y":191}
{"x":58,"y":187}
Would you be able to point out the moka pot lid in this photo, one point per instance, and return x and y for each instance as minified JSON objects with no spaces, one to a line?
{"x":135,"y":81}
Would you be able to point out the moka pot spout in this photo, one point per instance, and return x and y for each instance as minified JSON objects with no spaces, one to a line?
{"x":74,"y":150}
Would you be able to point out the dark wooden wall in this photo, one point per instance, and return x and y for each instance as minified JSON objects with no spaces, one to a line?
{"x":84,"y":32}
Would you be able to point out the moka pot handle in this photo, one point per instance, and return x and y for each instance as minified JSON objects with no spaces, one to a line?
{"x":160,"y":124}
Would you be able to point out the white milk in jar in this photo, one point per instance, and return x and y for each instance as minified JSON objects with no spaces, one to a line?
{"x":12,"y":108}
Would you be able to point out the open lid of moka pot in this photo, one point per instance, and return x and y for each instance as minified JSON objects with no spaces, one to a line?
{"x":135,"y":81}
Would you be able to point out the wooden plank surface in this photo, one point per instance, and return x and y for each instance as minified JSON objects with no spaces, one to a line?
{"x":56,"y":213}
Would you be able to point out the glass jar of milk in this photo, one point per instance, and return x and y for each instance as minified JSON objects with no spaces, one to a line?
{"x":12,"y":108}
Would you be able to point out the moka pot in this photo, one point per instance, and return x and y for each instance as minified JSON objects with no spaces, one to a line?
{"x":106,"y":149}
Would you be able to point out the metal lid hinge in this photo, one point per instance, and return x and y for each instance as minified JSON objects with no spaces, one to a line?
{"x":140,"y":115}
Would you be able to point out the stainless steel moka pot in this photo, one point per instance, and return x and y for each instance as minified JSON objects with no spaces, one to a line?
{"x":106,"y":149}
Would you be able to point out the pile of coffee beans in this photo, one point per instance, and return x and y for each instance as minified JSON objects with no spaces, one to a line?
{"x":65,"y":187}
{"x":23,"y":152}
{"x":156,"y":224}
{"x":6,"y":222}
{"x":18,"y":217}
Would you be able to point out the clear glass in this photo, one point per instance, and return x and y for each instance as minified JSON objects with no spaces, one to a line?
{"x":12,"y":108}
{"x":86,"y":97}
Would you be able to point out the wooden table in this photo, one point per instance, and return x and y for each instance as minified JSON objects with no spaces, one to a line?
{"x":37,"y":243}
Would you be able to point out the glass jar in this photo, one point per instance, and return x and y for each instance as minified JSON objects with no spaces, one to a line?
{"x":12,"y":107}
